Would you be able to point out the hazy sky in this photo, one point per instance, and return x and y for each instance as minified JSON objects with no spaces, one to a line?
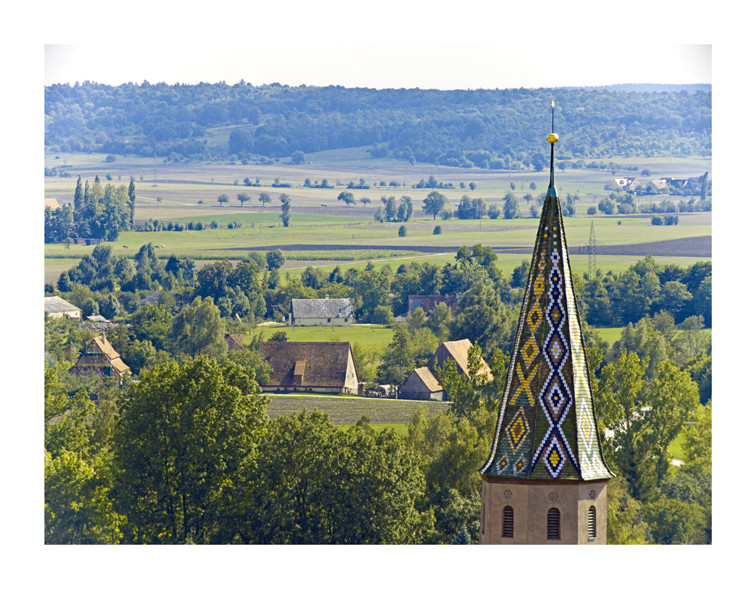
{"x":381,"y":66}
{"x":391,"y":43}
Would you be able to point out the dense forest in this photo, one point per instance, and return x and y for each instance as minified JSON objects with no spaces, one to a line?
{"x":464,"y":128}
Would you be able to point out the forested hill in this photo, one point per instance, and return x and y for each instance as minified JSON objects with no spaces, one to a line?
{"x":481,"y":128}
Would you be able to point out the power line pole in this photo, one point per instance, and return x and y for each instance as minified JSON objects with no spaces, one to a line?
{"x":592,"y":266}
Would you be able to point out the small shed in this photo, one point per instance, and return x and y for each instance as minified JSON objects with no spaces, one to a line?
{"x":325,"y":311}
{"x":421,"y":385}
{"x":58,"y":307}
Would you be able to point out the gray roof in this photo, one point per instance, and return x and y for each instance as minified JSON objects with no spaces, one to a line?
{"x":58,"y":305}
{"x":316,"y":308}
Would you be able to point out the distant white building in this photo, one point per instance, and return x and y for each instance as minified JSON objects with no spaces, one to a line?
{"x":58,"y":307}
{"x":325,"y":311}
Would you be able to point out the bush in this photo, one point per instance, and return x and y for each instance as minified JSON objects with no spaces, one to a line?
{"x":402,"y":231}
{"x":437,"y":230}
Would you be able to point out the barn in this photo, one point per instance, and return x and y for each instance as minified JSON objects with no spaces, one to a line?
{"x":421,"y":385}
{"x":321,"y":367}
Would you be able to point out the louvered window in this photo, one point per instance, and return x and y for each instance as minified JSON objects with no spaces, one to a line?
{"x":507,"y":528}
{"x":552,"y":523}
{"x":591,"y":522}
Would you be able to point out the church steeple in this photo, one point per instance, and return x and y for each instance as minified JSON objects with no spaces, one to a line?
{"x":547,"y":431}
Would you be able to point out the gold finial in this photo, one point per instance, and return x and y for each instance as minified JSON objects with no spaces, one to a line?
{"x":553,"y":137}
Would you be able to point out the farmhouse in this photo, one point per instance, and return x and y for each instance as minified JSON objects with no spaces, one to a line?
{"x":428,"y":302}
{"x":99,"y":358}
{"x":325,"y":311}
{"x":321,"y":367}
{"x":57,"y":307}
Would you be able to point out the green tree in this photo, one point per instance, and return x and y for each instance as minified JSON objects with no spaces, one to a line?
{"x":275,"y":259}
{"x":264,"y":198}
{"x":221,"y":199}
{"x":511,"y":207}
{"x":316,"y":484}
{"x":673,"y":397}
{"x":438,"y":321}
{"x":132,"y":201}
{"x":198,"y":329}
{"x":404,"y":210}
{"x":624,"y":515}
{"x":285,"y":210}
{"x":346,"y":197}
{"x":242,"y":198}
{"x":78,"y":509}
{"x":402,"y":231}
{"x":152,"y":323}
{"x":673,"y":521}
{"x":481,"y":317}
{"x":186,"y":436}
{"x":621,"y":402}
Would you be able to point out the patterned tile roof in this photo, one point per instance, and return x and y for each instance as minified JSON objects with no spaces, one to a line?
{"x":317,"y":308}
{"x":547,"y":426}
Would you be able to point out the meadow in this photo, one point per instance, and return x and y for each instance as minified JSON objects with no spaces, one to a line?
{"x":324,"y":232}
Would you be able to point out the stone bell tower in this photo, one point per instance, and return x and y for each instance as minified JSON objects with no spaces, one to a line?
{"x":545,"y":479}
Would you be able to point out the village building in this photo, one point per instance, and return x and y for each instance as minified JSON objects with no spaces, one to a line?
{"x":234,"y":341}
{"x":100,"y":359}
{"x":325,"y":311}
{"x":422,"y":383}
{"x":321,"y":367}
{"x":545,"y":480}
{"x":428,"y":302}
{"x":619,"y":184}
{"x":57,"y":307}
{"x":456,"y":351}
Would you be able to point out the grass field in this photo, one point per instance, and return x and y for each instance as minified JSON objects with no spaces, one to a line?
{"x":188,"y":192}
{"x":377,"y":336}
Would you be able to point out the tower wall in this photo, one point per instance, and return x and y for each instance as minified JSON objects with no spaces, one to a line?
{"x":531,"y":500}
